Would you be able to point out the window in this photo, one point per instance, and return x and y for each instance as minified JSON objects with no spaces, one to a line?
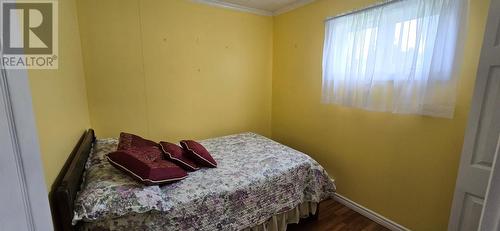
{"x":401,"y":57}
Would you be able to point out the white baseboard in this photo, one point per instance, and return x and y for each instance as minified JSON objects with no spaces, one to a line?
{"x":369,"y":213}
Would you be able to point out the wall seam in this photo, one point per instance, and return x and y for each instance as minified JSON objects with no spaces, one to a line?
{"x":82,"y":56}
{"x":143,"y":68}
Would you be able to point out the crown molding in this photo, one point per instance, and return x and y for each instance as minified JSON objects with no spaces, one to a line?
{"x":231,"y":6}
{"x":292,"y":7}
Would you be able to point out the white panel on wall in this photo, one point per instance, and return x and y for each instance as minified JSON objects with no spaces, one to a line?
{"x":471,"y":214}
{"x":484,"y":147}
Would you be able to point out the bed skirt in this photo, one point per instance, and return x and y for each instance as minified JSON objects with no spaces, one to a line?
{"x":280,"y":221}
{"x":277,"y":222}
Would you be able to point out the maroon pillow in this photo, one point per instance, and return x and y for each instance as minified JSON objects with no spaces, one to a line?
{"x":198,"y":153}
{"x":132,"y":142}
{"x":148,"y":169}
{"x":137,"y":145}
{"x":178,"y":155}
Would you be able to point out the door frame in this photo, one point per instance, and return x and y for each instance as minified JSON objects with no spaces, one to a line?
{"x":20,"y":148}
{"x":22,"y":144}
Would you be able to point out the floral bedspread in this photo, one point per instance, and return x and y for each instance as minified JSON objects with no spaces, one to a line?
{"x":256,"y":178}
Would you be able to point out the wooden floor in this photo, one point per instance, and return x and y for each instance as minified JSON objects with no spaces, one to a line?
{"x":334,"y":216}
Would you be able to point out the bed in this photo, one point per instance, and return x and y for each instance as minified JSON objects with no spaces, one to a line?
{"x":259,"y":184}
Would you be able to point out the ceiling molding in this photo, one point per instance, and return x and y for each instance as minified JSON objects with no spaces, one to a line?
{"x":237,"y":7}
{"x":231,"y":6}
{"x":292,"y":7}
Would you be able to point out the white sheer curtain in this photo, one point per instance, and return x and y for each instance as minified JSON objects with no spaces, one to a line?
{"x":402,"y":57}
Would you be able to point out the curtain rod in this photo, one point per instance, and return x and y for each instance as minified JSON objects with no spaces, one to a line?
{"x":362,"y":9}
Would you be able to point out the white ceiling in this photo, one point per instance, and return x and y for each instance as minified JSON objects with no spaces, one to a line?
{"x":266,"y":7}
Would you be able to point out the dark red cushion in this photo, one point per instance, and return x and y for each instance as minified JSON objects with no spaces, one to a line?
{"x":198,"y":153}
{"x":137,"y":146}
{"x":133,"y":142}
{"x":178,"y":155}
{"x":146,"y":168}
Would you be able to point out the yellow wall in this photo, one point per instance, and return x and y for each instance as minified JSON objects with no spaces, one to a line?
{"x":59,"y":97}
{"x":403,"y":167}
{"x":172,"y":69}
{"x":175,"y":69}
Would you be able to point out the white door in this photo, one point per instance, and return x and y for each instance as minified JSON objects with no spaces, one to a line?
{"x":490,"y":219}
{"x":13,"y":213}
{"x":24,"y":201}
{"x":23,"y":196}
{"x":482,"y":132}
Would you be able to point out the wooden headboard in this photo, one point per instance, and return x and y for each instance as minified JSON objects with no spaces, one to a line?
{"x":67,"y":183}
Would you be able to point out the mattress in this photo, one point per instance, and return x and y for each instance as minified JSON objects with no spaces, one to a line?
{"x":256,"y":178}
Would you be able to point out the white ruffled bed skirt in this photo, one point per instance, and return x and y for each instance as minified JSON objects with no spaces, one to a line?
{"x":280,"y":221}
